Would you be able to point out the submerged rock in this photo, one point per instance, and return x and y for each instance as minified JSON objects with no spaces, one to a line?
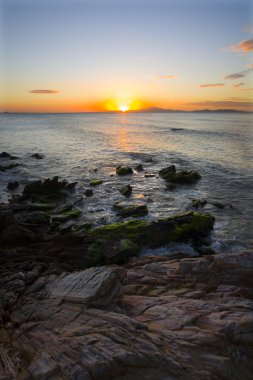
{"x":88,"y":192}
{"x":8,"y":167}
{"x":182,"y":177}
{"x":126,"y":190}
{"x":199,"y":202}
{"x":124,"y":170}
{"x":37,"y":156}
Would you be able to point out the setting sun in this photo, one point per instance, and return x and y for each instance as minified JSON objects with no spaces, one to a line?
{"x":123,"y":108}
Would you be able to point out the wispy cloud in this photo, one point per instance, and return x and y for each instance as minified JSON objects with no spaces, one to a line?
{"x":246,"y":89}
{"x":44,"y":91}
{"x":245,"y":46}
{"x":223,"y":104}
{"x":235,"y":75}
{"x":238,"y":85}
{"x":211,"y":85}
{"x":248,"y":29}
{"x":168,"y":76}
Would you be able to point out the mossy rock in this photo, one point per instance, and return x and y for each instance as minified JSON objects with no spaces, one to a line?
{"x":40,"y":206}
{"x":124,"y":170}
{"x":126,"y":190}
{"x":96,"y":182}
{"x":182,"y":177}
{"x":133,"y":210}
{"x":64,"y":214}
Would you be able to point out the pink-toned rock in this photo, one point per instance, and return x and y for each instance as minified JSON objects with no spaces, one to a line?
{"x":154,"y":318}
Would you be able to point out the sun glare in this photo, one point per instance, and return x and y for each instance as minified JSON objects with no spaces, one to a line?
{"x":123,"y":108}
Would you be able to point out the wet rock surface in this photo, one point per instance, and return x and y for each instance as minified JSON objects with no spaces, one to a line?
{"x":156,"y":317}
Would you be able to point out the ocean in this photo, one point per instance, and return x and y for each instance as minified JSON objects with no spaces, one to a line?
{"x":81,"y":147}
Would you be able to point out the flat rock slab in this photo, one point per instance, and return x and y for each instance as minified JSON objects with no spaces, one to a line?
{"x":94,"y":286}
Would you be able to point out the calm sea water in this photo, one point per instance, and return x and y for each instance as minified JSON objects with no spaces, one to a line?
{"x":86,"y":146}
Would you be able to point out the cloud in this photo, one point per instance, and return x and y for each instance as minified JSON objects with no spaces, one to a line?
{"x":246,"y":89}
{"x":238,"y":85}
{"x":245,"y":46}
{"x":223,"y":104}
{"x":211,"y":85}
{"x":168,"y":76}
{"x":235,"y":75}
{"x":44,"y":91}
{"x":248,"y":29}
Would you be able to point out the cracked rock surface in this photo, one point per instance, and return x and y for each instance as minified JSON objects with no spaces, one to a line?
{"x":163,"y":318}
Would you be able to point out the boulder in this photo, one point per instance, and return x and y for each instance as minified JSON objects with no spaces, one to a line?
{"x":124,"y":170}
{"x":7,"y":155}
{"x":93,"y":286}
{"x":136,"y":210}
{"x":126,"y":190}
{"x":182,"y":177}
{"x":199,"y":202}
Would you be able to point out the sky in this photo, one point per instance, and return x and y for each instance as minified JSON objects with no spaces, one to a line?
{"x":106,"y":55}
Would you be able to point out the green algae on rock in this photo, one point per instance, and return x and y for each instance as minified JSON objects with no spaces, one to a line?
{"x":124,"y":170}
{"x":182,"y":177}
{"x":126,"y":190}
{"x":177,"y":228}
{"x":96,"y":182}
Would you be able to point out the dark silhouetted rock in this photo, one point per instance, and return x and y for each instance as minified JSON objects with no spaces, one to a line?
{"x":47,"y":187}
{"x":126,"y":190}
{"x":37,"y":156}
{"x":7,"y":155}
{"x":124,"y":170}
{"x":13,"y":185}
{"x":139,"y":168}
{"x":88,"y":192}
{"x":199,"y":202}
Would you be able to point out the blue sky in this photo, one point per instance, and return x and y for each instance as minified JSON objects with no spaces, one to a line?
{"x":93,"y":52}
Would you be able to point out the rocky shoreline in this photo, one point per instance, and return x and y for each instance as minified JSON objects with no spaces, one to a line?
{"x":77,"y":301}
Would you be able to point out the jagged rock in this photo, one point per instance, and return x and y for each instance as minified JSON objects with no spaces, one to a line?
{"x":47,"y":187}
{"x":126,"y":190}
{"x":182,"y":177}
{"x":154,"y":318}
{"x":124,"y":170}
{"x":12,"y":185}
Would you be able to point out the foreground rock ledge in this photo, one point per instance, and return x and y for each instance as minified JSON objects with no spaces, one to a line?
{"x":154,"y":318}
